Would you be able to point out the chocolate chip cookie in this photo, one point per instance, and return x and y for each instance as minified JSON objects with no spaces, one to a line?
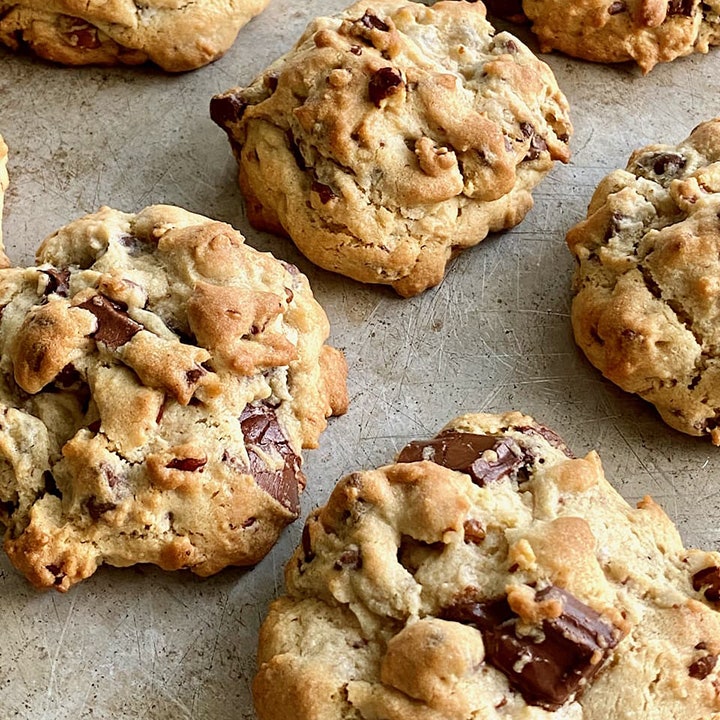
{"x":393,"y":136}
{"x":158,"y":380}
{"x":610,"y":31}
{"x":491,"y":574}
{"x":647,"y":284}
{"x":175,"y":35}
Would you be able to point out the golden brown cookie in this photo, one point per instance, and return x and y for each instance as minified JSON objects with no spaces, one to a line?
{"x":647,"y":284}
{"x":610,"y":31}
{"x":491,"y":574}
{"x":174,"y":34}
{"x":393,"y":136}
{"x":158,"y":381}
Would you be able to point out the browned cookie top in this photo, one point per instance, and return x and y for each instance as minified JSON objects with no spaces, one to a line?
{"x":491,"y":574}
{"x":393,"y":135}
{"x":175,"y":34}
{"x":646,"y":31}
{"x":158,"y":381}
{"x":647,"y":284}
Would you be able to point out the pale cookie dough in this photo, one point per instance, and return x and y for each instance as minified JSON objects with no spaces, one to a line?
{"x":490,"y":574}
{"x":393,"y":136}
{"x":610,"y":31}
{"x":646,"y":309}
{"x":158,"y":380}
{"x":177,"y":35}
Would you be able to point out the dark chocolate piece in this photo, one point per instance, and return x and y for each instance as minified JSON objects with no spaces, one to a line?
{"x":325,"y":192}
{"x":552,"y":437}
{"x":384,"y":83}
{"x":464,"y":452}
{"x":115,"y":326}
{"x":549,"y":668}
{"x":616,"y":8}
{"x":373,"y":22}
{"x":227,"y":108}
{"x":680,"y":7}
{"x":708,"y":580}
{"x":96,"y":508}
{"x":702,"y":667}
{"x":507,"y":9}
{"x":58,"y":282}
{"x":262,"y":432}
{"x":187,"y":464}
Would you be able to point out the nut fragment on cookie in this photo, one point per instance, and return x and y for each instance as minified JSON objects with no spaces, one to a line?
{"x":647,"y":281}
{"x":177,"y":36}
{"x":159,"y":381}
{"x":610,"y":31}
{"x":393,"y":136}
{"x":489,"y":573}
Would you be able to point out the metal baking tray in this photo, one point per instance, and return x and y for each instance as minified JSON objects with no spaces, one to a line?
{"x":143,"y":643}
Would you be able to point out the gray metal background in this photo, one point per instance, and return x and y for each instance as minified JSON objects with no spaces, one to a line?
{"x":142,"y":643}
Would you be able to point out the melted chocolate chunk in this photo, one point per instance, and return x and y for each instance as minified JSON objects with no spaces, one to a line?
{"x":81,"y":34}
{"x":537,"y":147}
{"x":96,"y":508}
{"x":464,"y":452}
{"x":58,"y":282}
{"x":115,"y":326}
{"x":702,"y":667}
{"x":262,"y":432}
{"x":372,"y":22}
{"x":384,"y":83}
{"x":553,"y":667}
{"x":552,"y":437}
{"x":708,"y":580}
{"x":307,"y":544}
{"x":680,"y":7}
{"x":325,"y":192}
{"x":135,"y":245}
{"x":68,"y":377}
{"x":187,"y":464}
{"x":226,"y":109}
{"x":616,"y":8}
{"x":666,"y":165}
{"x":351,"y":557}
{"x":507,"y":9}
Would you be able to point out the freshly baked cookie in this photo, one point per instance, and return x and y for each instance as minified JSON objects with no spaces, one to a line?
{"x":610,"y":31}
{"x":174,"y":34}
{"x":490,"y":574}
{"x":158,"y":379}
{"x":647,"y":285}
{"x":393,"y":136}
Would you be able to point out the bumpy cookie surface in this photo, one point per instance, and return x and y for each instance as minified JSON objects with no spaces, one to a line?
{"x":393,"y":136}
{"x":158,"y":380}
{"x":491,"y":574}
{"x":4,"y":181}
{"x":175,"y":34}
{"x":609,"y":31}
{"x":647,"y":284}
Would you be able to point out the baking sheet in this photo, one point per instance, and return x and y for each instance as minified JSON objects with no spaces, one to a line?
{"x":143,"y":643}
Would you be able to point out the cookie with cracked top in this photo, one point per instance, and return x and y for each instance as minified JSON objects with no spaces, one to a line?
{"x":174,"y":34}
{"x":158,"y":381}
{"x":610,"y":31}
{"x":393,"y":136}
{"x":647,"y":283}
{"x":491,"y":574}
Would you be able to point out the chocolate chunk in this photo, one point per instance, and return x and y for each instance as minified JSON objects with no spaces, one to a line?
{"x":702,"y":667}
{"x":384,"y":83}
{"x":666,"y":165}
{"x":96,"y":509}
{"x":372,"y":22}
{"x":81,"y":34}
{"x":464,"y":452}
{"x":115,"y":326}
{"x":680,"y":7}
{"x":187,"y":464}
{"x":708,"y":580}
{"x":262,"y":433}
{"x":58,"y":282}
{"x":227,"y":108}
{"x":307,"y":544}
{"x":473,"y":531}
{"x":551,"y":436}
{"x":548,"y":668}
{"x":135,"y":245}
{"x":325,"y":192}
{"x":270,"y":81}
{"x":616,"y":8}
{"x":537,"y":147}
{"x":351,"y":557}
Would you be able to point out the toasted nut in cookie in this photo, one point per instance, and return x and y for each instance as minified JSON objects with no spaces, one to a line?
{"x":489,"y":573}
{"x":159,"y":379}
{"x":647,"y":283}
{"x":610,"y":31}
{"x":393,"y":136}
{"x":177,"y":36}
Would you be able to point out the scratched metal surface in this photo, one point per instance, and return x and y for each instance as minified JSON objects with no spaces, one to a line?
{"x":141,"y":643}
